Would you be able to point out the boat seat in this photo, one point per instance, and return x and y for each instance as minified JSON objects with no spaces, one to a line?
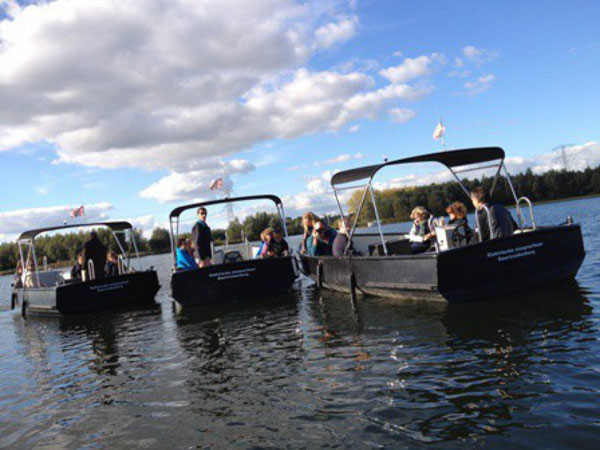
{"x":396,"y":247}
{"x":50,"y":278}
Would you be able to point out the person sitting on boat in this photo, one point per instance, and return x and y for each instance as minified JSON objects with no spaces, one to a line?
{"x":112,"y":265}
{"x":202,"y":239}
{"x":29,"y":276}
{"x":502,"y":222}
{"x":278,"y":245}
{"x":185,"y":261}
{"x":322,"y":239}
{"x":457,"y":214}
{"x":340,"y":242}
{"x":308,"y":221}
{"x":94,"y":249}
{"x":265,"y":237}
{"x":77,"y":267}
{"x":420,"y":233}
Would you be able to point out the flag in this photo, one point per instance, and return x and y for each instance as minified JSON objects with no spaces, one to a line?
{"x":217,"y":183}
{"x":76,"y":212}
{"x":439,"y":131}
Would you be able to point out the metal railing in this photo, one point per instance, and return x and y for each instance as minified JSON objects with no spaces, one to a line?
{"x":520,"y":214}
{"x":91,"y":270}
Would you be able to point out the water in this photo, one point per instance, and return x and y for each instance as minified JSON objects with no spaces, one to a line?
{"x":308,"y":370}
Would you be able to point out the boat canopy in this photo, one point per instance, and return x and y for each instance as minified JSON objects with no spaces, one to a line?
{"x":177,"y":211}
{"x":113,"y":225}
{"x":452,"y":158}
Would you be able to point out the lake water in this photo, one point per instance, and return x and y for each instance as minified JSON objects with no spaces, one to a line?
{"x":309,"y":370}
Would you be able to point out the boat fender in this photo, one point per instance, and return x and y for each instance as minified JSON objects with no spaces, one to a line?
{"x":320,"y":274}
{"x":352,"y":287}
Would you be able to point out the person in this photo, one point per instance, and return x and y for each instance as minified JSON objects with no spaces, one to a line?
{"x":420,"y":233}
{"x":18,"y":282}
{"x":308,"y":220}
{"x":266,"y":236}
{"x":278,"y":246}
{"x":112,"y":265}
{"x":94,"y":249}
{"x":322,"y":239}
{"x":185,"y":260}
{"x":29,"y":276}
{"x":457,"y":214}
{"x":77,"y":267}
{"x":340,"y":242}
{"x":501,"y":221}
{"x":202,"y":239}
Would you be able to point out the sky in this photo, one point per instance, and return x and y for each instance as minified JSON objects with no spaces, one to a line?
{"x":132,"y":107}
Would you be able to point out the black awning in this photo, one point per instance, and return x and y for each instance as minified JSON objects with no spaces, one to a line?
{"x":177,"y":211}
{"x":451,"y":158}
{"x":115,"y":226}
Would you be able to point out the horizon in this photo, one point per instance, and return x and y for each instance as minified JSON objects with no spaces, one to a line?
{"x":132,"y":111}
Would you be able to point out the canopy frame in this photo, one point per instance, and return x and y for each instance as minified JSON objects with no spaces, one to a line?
{"x":26,"y":241}
{"x":175,"y":213}
{"x":450,"y":159}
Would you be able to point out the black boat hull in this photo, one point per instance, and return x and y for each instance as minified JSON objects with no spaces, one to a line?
{"x":492,"y":268}
{"x":232,"y":281}
{"x":126,"y":290}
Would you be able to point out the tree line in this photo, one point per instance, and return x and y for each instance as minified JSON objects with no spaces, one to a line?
{"x":394,"y":205}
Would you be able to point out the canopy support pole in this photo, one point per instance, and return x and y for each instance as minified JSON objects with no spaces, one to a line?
{"x":360,"y":208}
{"x":377,"y":218}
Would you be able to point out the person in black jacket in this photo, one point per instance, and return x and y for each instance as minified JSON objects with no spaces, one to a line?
{"x":112,"y":265}
{"x":96,"y":251}
{"x":77,"y":267}
{"x":202,"y":239}
{"x":501,"y":221}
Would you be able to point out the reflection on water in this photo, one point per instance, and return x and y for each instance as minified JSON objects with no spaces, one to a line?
{"x":309,"y":369}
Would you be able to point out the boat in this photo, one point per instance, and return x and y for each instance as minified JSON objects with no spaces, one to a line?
{"x":234,"y":274}
{"x":453,"y":270}
{"x":53,"y":292}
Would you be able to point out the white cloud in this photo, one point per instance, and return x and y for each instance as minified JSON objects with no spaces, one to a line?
{"x":17,"y":221}
{"x":194,"y":184}
{"x":458,"y":63}
{"x":479,"y":56}
{"x":41,"y":190}
{"x":398,"y":53}
{"x":171,"y":85}
{"x":340,"y":158}
{"x":336,"y":32}
{"x":480,"y":85}
{"x":145,"y":223}
{"x":354,"y":128}
{"x":402,"y":115}
{"x":412,"y":68}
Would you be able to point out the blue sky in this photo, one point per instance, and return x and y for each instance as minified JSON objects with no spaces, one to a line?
{"x":282,"y":90}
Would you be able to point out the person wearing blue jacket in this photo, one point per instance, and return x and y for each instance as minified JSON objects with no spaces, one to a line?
{"x":185,"y":261}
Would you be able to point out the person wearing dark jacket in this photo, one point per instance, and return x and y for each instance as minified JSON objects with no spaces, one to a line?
{"x":77,"y":267}
{"x":322,"y":239}
{"x":112,"y":265}
{"x":96,"y":251}
{"x":202,"y":239}
{"x":457,"y":215}
{"x":501,"y":221}
{"x":340,"y":242}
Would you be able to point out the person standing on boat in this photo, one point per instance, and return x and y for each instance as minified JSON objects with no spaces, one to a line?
{"x":185,"y":261}
{"x":202,"y":239}
{"x":94,"y":249}
{"x":501,"y":221}
{"x":308,"y":220}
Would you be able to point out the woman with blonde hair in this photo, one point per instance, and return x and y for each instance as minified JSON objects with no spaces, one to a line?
{"x":308,"y":221}
{"x":420,"y":233}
